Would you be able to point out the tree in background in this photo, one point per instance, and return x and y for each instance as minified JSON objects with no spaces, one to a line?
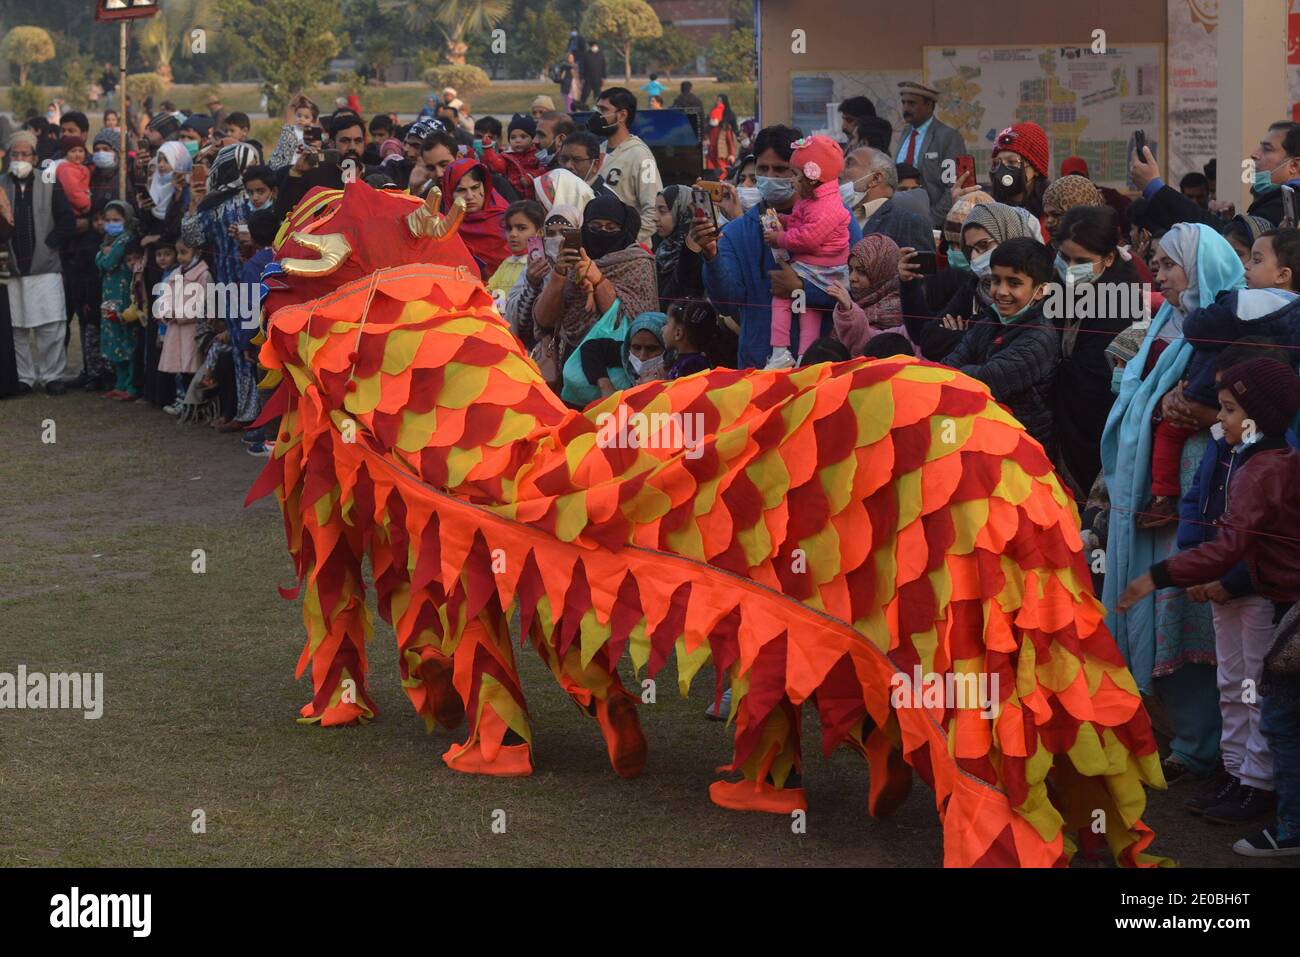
{"x":732,"y":56}
{"x":293,"y":41}
{"x":454,"y":20}
{"x":168,"y":34}
{"x":623,"y":22}
{"x":670,"y":51}
{"x":27,"y":46}
{"x":76,"y":83}
{"x":535,"y":38}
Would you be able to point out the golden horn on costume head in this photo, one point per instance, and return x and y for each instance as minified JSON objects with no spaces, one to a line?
{"x":429,"y":221}
{"x":334,"y":248}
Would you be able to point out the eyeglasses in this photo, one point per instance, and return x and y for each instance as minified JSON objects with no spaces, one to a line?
{"x":605,"y":226}
{"x":1009,"y":162}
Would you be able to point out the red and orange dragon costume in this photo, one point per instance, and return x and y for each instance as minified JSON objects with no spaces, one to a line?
{"x":838,"y":527}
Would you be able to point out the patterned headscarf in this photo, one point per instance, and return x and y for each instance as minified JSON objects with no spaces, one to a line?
{"x":560,"y":187}
{"x":668,"y":250}
{"x":567,"y":213}
{"x":957,"y":213}
{"x":877,"y":256}
{"x":1004,"y":222}
{"x":226,"y":177}
{"x":1070,"y":191}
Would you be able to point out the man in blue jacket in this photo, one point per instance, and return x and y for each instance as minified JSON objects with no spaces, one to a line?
{"x":739,"y":272}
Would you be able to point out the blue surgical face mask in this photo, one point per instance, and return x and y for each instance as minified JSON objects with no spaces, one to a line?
{"x":192,"y":147}
{"x":1116,"y":379}
{"x":776,"y":190}
{"x":981,"y":265}
{"x":114,"y":228}
{"x":957,"y":260}
{"x":1017,"y":316}
{"x":267,"y":205}
{"x":1077,"y":273}
{"x":1264,"y":182}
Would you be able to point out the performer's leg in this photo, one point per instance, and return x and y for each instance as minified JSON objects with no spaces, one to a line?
{"x":771,"y":767}
{"x":338,"y":626}
{"x":596,"y":689}
{"x":500,"y":739}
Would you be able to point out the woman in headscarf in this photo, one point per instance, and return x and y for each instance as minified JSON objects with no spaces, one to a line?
{"x":723,"y":135}
{"x":1242,"y":231}
{"x":1089,"y":256}
{"x":674,"y":210}
{"x":870,"y":304}
{"x":987,"y":226}
{"x":584,"y":283}
{"x":636,"y":357}
{"x":171,"y":169}
{"x":560,"y":187}
{"x":9,"y":381}
{"x":1062,"y":195}
{"x":483,"y":229}
{"x":1167,"y":641}
{"x":224,"y":205}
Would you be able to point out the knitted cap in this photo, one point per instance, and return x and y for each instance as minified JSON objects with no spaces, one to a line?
{"x":1027,"y":139}
{"x":1126,"y":345}
{"x":1074,"y":166}
{"x":165,"y":124}
{"x":1268,"y":390}
{"x":957,"y":213}
{"x":109,"y":136}
{"x":200,"y":123}
{"x":543,"y":101}
{"x":521,"y":122}
{"x":23,"y":137}
{"x":818,"y":158}
{"x":71,"y":142}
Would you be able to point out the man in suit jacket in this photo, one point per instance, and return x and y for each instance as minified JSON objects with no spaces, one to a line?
{"x":926,"y":143}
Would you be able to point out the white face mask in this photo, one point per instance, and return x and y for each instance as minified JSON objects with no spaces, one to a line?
{"x":635,"y":363}
{"x":851,"y":195}
{"x":20,"y":169}
{"x":104,"y":160}
{"x":749,"y":197}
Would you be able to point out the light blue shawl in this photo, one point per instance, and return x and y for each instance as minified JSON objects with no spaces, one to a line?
{"x":1126,"y":443}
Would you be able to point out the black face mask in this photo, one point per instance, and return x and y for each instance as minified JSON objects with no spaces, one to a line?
{"x":1007,"y":183}
{"x":598,"y":245}
{"x":598,"y":126}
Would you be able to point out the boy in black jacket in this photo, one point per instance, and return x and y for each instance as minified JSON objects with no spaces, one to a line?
{"x":1011,"y":346}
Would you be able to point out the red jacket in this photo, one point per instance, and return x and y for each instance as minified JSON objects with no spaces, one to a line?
{"x":518,"y":168}
{"x":1261,"y":526}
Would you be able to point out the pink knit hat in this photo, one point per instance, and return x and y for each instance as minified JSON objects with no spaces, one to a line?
{"x":818,"y":158}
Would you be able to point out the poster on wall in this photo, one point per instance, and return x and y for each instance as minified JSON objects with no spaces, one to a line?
{"x":1193,"y":86}
{"x":814,"y":94}
{"x":1089,"y":103}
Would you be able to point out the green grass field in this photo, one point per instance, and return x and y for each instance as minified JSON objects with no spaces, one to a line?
{"x":96,"y":575}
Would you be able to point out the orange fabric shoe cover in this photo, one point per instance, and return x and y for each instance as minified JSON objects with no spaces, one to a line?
{"x":621,"y":729}
{"x":484,"y":753}
{"x":757,"y":796}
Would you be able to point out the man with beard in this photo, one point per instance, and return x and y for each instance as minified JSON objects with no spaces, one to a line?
{"x":43,"y":221}
{"x":348,"y":134}
{"x":927,"y":143}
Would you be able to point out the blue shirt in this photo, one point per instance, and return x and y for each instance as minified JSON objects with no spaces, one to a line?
{"x":737,"y":283}
{"x":654,"y":87}
{"x":920,"y":140}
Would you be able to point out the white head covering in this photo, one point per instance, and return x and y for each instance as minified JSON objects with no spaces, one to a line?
{"x":160,"y":186}
{"x":560,"y":187}
{"x":1182,"y":245}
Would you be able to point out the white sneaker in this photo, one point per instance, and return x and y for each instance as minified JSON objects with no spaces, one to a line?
{"x":781,"y":359}
{"x":172,"y":409}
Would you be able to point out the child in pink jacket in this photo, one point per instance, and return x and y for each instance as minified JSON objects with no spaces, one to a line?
{"x":74,"y":175}
{"x":815,"y":234}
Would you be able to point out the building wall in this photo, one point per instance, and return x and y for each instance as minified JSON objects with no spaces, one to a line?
{"x":701,"y":20}
{"x":850,"y":34}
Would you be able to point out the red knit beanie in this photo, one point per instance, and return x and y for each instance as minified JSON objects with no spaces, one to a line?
{"x":1075,"y":166}
{"x":1268,"y":390}
{"x":71,"y":142}
{"x":818,"y":157}
{"x":1029,"y":140}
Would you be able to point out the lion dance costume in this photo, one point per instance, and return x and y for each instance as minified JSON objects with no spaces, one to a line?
{"x":835,"y":531}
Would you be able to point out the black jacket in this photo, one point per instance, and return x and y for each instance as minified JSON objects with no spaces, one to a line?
{"x":1081,"y":396}
{"x":925,"y":326}
{"x":1018,"y":363}
{"x":1168,"y":206}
